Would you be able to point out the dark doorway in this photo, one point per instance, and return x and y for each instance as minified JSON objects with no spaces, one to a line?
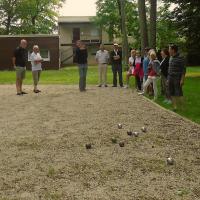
{"x":76,"y":34}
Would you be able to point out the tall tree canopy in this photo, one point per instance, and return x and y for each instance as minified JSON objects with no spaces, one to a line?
{"x":28,"y":16}
{"x":186,"y":18}
{"x":108,"y":18}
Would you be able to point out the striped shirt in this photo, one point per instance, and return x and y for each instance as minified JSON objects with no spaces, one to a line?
{"x":176,"y":66}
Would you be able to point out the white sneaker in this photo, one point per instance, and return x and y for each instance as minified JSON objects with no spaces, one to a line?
{"x":141,"y":93}
{"x":126,"y":86}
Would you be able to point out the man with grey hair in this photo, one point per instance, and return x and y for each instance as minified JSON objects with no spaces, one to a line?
{"x":102,"y":58}
{"x":19,"y":61}
{"x":36,"y":60}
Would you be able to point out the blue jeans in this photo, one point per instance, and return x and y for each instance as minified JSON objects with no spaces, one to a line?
{"x":82,"y":76}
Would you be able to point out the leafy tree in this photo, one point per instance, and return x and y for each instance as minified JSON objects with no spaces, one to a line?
{"x":186,"y":18}
{"x":166,"y":29}
{"x":109,"y":18}
{"x":30,"y":16}
{"x":8,"y":15}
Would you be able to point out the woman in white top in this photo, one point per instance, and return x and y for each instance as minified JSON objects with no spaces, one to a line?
{"x":131,"y":67}
{"x":36,"y":63}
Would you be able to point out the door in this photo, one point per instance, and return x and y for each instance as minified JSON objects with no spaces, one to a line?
{"x":76,"y":34}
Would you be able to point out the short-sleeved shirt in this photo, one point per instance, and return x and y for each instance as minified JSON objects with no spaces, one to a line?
{"x":35,"y":57}
{"x":102,"y":56}
{"x":132,"y":61}
{"x":21,"y":56}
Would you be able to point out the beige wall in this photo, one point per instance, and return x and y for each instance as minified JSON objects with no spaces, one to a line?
{"x":88,"y":31}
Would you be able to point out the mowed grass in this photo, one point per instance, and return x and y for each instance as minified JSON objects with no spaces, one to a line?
{"x":69,"y":76}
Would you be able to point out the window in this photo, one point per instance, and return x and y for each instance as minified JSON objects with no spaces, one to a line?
{"x":45,"y":54}
{"x":94,"y":32}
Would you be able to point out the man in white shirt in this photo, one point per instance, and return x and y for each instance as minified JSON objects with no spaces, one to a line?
{"x":102,"y":58}
{"x":36,"y":64}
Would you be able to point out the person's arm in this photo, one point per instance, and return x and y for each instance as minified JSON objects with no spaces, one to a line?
{"x":14,"y":62}
{"x":183,"y":74}
{"x":96,"y":57}
{"x":14,"y":58}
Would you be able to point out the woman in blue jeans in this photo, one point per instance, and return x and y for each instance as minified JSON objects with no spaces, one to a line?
{"x":81,"y":59}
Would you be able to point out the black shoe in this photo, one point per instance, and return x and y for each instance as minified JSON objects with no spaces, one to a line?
{"x":99,"y":85}
{"x":24,"y":92}
{"x":114,"y":86}
{"x":19,"y":94}
{"x":106,"y":85}
{"x":121,"y":86}
{"x":35,"y":91}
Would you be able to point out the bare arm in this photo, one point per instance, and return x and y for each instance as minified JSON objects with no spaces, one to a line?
{"x":13,"y":61}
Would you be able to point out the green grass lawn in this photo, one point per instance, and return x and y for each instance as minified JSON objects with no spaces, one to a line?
{"x":69,"y":76}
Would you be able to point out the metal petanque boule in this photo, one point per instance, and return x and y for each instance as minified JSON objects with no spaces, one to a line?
{"x":144,"y":129}
{"x":121,"y":144}
{"x":136,"y":134}
{"x":88,"y":146}
{"x":129,"y":133}
{"x":119,"y":126}
{"x":170,"y":161}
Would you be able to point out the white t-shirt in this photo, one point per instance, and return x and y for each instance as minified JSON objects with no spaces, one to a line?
{"x":102,"y":57}
{"x":35,"y":57}
{"x":131,"y":60}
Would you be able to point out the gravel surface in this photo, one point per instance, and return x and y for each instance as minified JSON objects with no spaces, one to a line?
{"x":43,"y":151}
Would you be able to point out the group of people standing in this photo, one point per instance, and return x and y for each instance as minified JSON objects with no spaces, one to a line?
{"x":146,"y":69}
{"x":20,"y":59}
{"x":170,"y":69}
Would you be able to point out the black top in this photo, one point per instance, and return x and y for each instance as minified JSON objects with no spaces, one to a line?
{"x":176,"y":66}
{"x":81,"y":56}
{"x":165,"y":66}
{"x":21,"y":56}
{"x":112,"y":54}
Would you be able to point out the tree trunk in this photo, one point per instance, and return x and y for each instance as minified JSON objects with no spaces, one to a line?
{"x":33,"y":25}
{"x":8,"y":23}
{"x":153,"y":17}
{"x":143,"y":24}
{"x":123,"y":32}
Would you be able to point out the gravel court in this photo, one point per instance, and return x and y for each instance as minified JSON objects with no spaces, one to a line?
{"x":43,"y":154}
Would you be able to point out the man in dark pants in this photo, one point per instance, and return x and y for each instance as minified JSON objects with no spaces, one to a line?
{"x":176,"y":76}
{"x":116,"y":61}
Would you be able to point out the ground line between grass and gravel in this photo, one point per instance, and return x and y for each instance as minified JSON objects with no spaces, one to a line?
{"x":173,"y":113}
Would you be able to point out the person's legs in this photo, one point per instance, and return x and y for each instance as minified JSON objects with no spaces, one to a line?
{"x":105,"y":74}
{"x":114,"y":70}
{"x":18,"y":88}
{"x":81,"y":77}
{"x":100,"y":74}
{"x":162,"y":83}
{"x":35,"y":79}
{"x":146,"y":84}
{"x":172,"y":92}
{"x":138,"y":82}
{"x":119,"y":69}
{"x":155,"y":89}
{"x":84,"y":75}
{"x":20,"y":75}
{"x":178,"y":93}
{"x":127,"y":78}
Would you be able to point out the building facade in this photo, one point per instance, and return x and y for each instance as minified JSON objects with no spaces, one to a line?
{"x":82,"y":28}
{"x":49,"y":49}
